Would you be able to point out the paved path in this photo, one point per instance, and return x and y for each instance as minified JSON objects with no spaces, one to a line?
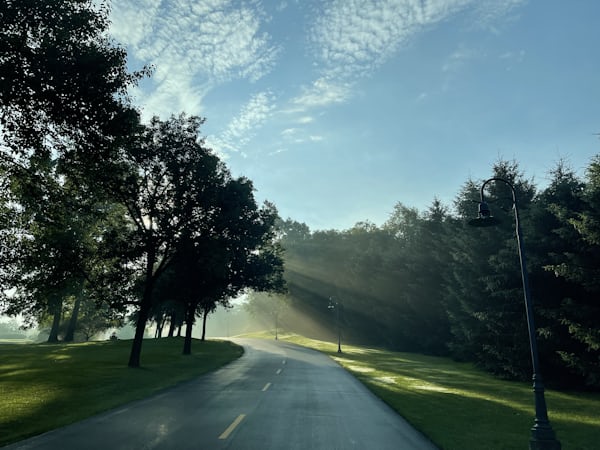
{"x":277,"y":396}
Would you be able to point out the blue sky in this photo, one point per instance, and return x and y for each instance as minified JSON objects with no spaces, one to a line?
{"x":339,"y":109}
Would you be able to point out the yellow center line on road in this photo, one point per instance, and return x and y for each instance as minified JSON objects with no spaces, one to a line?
{"x":267,"y":386}
{"x":231,"y":427}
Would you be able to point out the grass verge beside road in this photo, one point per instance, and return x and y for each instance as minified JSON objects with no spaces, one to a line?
{"x":461,"y":407}
{"x":45,"y":386}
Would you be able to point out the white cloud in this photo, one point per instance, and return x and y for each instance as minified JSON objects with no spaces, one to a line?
{"x":289,"y":131}
{"x":322,"y":93}
{"x":243,"y":127}
{"x":278,"y":151}
{"x":351,"y":38}
{"x":306,"y":119}
{"x":487,"y":12}
{"x":194,"y":43}
{"x":513,"y":56}
{"x":459,"y":57}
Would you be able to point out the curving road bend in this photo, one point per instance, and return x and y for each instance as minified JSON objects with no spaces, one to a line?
{"x":277,"y":396}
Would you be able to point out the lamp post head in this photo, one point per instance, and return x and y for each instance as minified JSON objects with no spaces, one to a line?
{"x":484,"y":217}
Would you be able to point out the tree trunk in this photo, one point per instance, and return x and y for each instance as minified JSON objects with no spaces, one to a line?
{"x":179,"y":330}
{"x":204,"y":317}
{"x":145,"y":307}
{"x":171,"y":327}
{"x":140,"y":327}
{"x":187,"y":343}
{"x":53,"y":338}
{"x":70,"y":334}
{"x":159,"y":327}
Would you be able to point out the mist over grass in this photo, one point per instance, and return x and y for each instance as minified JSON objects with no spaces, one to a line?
{"x":230,"y":322}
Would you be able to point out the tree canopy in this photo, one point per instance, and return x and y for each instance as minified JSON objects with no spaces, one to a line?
{"x":428,"y":282}
{"x":96,"y":206}
{"x":63,"y":81}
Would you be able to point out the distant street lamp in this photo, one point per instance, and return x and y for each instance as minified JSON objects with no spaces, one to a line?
{"x":335,"y":305}
{"x":542,"y":435}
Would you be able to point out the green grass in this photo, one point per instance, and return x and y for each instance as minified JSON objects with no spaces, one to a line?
{"x":461,"y":407}
{"x":45,"y":386}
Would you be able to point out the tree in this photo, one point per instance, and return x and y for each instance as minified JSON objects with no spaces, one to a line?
{"x":268,"y":307}
{"x":421,"y":257}
{"x":95,"y":318}
{"x":9,"y":232}
{"x":63,"y":104}
{"x":574,"y":264}
{"x":168,"y":182}
{"x":428,"y":282}
{"x":63,"y":82}
{"x":54,"y":248}
{"x":485,"y":293}
{"x":234,"y":251}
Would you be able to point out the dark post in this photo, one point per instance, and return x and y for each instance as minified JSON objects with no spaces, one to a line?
{"x":334,"y":304}
{"x":542,"y":434}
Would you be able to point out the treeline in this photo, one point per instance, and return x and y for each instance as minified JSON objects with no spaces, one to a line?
{"x":104,"y":218}
{"x":426,"y":281}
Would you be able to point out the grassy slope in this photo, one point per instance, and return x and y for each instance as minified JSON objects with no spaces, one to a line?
{"x":45,"y":386}
{"x":460,"y":407}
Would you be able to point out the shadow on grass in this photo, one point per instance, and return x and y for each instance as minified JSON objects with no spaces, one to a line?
{"x":461,"y":407}
{"x":46,"y":386}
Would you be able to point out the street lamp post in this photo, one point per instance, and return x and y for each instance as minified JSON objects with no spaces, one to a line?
{"x":542,"y":435}
{"x":334,"y":304}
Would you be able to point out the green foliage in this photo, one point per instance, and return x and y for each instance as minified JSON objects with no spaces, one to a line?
{"x":485,"y":297}
{"x":428,"y":282}
{"x":169,"y":184}
{"x":63,"y":82}
{"x":63,"y":109}
{"x":575,"y":260}
{"x":234,"y":252}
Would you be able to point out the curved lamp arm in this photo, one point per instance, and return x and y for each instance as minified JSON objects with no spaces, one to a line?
{"x":542,"y":435}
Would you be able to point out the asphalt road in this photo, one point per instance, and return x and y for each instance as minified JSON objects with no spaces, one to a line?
{"x":277,"y":396}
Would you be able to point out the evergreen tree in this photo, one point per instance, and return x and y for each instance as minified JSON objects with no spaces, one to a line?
{"x":485,"y":295}
{"x":576,"y":264}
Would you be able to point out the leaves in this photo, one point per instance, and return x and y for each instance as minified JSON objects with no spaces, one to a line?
{"x":63,"y":83}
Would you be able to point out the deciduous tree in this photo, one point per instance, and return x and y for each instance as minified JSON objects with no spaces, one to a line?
{"x":168,"y":181}
{"x":63,"y":81}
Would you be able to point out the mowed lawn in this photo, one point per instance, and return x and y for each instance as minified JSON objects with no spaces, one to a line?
{"x":45,"y":386}
{"x":461,"y":407}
